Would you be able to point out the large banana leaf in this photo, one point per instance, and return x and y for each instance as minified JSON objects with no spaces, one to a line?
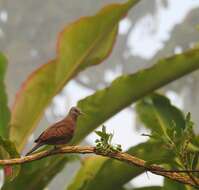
{"x":83,"y":43}
{"x":127,"y":89}
{"x":90,"y":167}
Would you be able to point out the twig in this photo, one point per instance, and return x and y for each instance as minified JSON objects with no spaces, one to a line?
{"x":172,"y":174}
{"x":190,"y":175}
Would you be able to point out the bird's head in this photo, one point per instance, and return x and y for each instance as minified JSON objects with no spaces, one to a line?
{"x":75,"y":112}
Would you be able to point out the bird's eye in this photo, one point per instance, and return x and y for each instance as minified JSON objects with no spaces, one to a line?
{"x":76,"y":111}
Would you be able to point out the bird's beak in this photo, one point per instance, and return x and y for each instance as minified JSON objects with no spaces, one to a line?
{"x":82,"y":113}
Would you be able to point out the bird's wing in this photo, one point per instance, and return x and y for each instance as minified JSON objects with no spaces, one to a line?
{"x":57,"y":131}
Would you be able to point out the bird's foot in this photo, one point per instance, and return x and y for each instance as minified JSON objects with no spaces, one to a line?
{"x":55,"y":148}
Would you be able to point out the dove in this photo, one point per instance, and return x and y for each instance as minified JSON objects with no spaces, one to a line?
{"x":59,"y":133}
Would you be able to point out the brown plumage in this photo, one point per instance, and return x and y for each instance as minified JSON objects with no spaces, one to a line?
{"x":60,"y":132}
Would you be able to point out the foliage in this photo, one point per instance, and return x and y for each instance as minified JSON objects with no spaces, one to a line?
{"x":104,"y":144}
{"x":84,"y":43}
{"x":168,"y":184}
{"x":7,"y":148}
{"x":4,"y":110}
{"x":171,"y":128}
{"x":178,"y":137}
{"x":38,"y":177}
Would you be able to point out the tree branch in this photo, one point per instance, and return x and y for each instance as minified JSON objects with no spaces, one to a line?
{"x":121,"y":156}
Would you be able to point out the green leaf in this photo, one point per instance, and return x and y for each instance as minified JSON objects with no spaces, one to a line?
{"x":89,"y":169}
{"x":4,"y":111}
{"x":149,"y":188}
{"x":113,"y":174}
{"x":105,"y":137}
{"x":103,"y":129}
{"x":8,"y":150}
{"x":127,"y":89}
{"x":170,"y":184}
{"x":188,"y":131}
{"x":101,"y":134}
{"x":159,"y":115}
{"x":195,"y":160}
{"x":37,"y":174}
{"x":83,"y":43}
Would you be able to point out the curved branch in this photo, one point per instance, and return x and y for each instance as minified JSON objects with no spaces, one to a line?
{"x":121,"y":156}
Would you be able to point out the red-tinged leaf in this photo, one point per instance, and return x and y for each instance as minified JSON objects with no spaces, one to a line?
{"x":8,"y":171}
{"x":81,"y":44}
{"x":8,"y":150}
{"x":35,"y":91}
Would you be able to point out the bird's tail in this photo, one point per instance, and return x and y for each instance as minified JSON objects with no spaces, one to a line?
{"x":34,"y":148}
